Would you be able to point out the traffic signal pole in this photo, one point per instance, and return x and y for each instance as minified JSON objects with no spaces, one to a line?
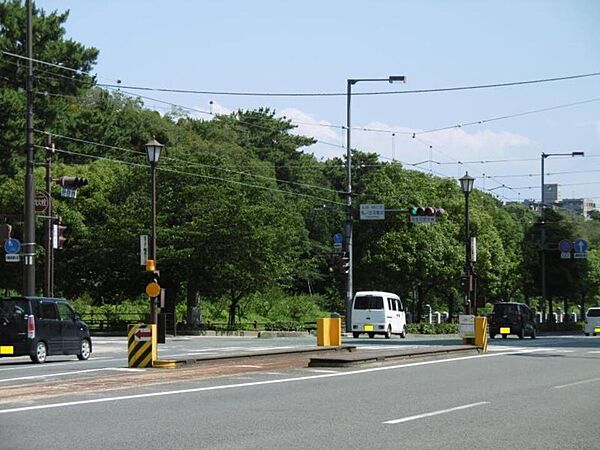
{"x":348,"y":290}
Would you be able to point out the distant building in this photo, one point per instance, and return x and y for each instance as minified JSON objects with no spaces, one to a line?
{"x":580,"y":206}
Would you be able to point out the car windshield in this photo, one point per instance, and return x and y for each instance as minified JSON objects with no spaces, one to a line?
{"x":594,"y":312}
{"x":368,"y":302}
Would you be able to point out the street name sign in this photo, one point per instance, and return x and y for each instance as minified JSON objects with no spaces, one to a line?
{"x":372,"y":211}
{"x":423,"y":219}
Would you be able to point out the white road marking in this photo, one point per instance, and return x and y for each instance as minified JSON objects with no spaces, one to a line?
{"x":435,"y":413}
{"x":35,"y":377}
{"x":255,"y":383}
{"x":594,"y":351}
{"x":576,"y":383}
{"x":321,"y":371}
{"x":563,"y":351}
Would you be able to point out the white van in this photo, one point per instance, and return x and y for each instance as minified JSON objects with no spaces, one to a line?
{"x":592,"y":321}
{"x":375,"y":312}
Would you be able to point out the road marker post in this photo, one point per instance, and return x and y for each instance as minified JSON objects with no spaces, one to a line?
{"x":142,"y":346}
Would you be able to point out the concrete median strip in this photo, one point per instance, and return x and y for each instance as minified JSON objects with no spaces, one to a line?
{"x":342,"y":356}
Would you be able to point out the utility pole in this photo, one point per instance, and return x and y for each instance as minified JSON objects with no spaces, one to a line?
{"x":49,"y":257}
{"x":29,"y":211}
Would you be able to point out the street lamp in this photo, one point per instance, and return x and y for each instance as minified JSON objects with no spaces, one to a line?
{"x":466,"y":183}
{"x":153,"y":149}
{"x":543,"y":235}
{"x":348,"y":300}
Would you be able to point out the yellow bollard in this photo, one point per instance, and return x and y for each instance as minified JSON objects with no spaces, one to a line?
{"x":481,"y":335}
{"x":329,"y":332}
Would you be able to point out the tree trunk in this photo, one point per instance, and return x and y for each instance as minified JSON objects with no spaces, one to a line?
{"x":193,"y":316}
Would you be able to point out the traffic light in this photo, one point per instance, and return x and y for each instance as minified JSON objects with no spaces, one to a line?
{"x":59,"y":232}
{"x":72,"y":182}
{"x":69,"y":185}
{"x":427,"y":211}
{"x":345,"y":263}
{"x":5,"y":230}
{"x":466,"y":284}
{"x":425,"y":214}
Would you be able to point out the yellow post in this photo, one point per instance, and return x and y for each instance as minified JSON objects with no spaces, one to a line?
{"x":481,"y":336}
{"x":329,"y":332}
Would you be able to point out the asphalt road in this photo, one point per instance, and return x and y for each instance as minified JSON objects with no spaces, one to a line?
{"x":542,"y":393}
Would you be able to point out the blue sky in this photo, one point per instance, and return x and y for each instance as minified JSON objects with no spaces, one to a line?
{"x":315,"y":46}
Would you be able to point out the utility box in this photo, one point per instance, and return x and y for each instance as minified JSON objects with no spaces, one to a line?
{"x":329,"y":332}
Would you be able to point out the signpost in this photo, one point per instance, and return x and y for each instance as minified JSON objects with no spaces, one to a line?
{"x":338,"y":238}
{"x":12,"y":246}
{"x":580,"y":246}
{"x":565,"y":248}
{"x":372,"y":211}
{"x":40,"y":202}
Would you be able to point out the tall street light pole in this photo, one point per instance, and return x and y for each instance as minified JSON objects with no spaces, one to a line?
{"x":29,"y":210}
{"x":153,"y":149}
{"x":543,"y":237}
{"x":348,"y":290}
{"x":466,"y":183}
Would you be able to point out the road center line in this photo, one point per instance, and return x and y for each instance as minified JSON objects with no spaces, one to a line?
{"x":257,"y":383}
{"x":435,"y":413}
{"x":576,"y":383}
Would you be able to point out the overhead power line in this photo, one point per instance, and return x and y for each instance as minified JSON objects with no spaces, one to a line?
{"x":343,"y":94}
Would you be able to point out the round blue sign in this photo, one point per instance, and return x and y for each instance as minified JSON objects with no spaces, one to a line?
{"x":12,"y":246}
{"x":338,"y":238}
{"x":565,"y":246}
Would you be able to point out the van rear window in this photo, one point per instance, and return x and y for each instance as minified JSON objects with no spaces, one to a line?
{"x":12,"y":309}
{"x":368,"y":302}
{"x":593,"y":312}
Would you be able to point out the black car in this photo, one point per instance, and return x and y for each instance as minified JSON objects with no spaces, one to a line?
{"x":512,"y":318}
{"x":42,"y":326}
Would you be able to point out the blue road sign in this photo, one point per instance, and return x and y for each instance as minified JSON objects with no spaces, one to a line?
{"x":338,"y":238}
{"x":580,"y":245}
{"x":12,"y":246}
{"x":565,"y":246}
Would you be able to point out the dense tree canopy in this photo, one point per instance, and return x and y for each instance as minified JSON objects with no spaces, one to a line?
{"x":242,"y":208}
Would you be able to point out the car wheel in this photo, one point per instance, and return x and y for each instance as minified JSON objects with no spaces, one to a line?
{"x":41,"y":353}
{"x":388,"y":333}
{"x":521,"y":333}
{"x":533,"y":334}
{"x":587,"y":334}
{"x":371,"y":335}
{"x":492,"y":335}
{"x":403,"y":333}
{"x":85,"y":350}
{"x":504,"y":336}
{"x":355,"y":335}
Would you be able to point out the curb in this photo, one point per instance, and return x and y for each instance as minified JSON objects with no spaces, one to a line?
{"x":354,"y":358}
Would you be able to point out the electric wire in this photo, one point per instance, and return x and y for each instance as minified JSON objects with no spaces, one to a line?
{"x":179,"y":172}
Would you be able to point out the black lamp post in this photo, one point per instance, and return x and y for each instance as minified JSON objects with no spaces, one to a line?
{"x":466,"y":183}
{"x":153,"y":149}
{"x":348,"y":294}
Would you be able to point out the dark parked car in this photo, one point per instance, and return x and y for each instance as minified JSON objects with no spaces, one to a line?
{"x":512,"y":318}
{"x":41,"y":326}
